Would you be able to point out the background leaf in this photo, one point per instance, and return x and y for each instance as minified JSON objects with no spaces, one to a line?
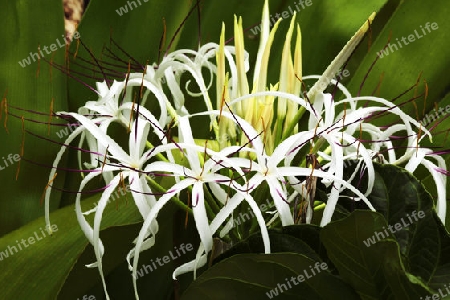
{"x":375,"y":271}
{"x":254,"y":276}
{"x":45,"y":265}
{"x":32,"y":87}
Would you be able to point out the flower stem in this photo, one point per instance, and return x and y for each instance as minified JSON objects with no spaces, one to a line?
{"x":290,"y":128}
{"x":154,"y":185}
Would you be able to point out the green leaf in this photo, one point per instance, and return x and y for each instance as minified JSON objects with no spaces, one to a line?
{"x":138,"y":32}
{"x":151,"y":274}
{"x":409,"y":211}
{"x":401,"y":68}
{"x":31,"y":87}
{"x":279,"y":242}
{"x":44,"y":266}
{"x":375,"y":271}
{"x":257,"y":276}
{"x":398,"y":196}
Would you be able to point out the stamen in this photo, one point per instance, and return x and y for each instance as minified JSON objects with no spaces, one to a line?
{"x":126,"y":83}
{"x":141,"y":95}
{"x":426,"y":96}
{"x":162,"y":41}
{"x":304,"y":88}
{"x":131,"y":115}
{"x":65,"y":70}
{"x":138,"y":64}
{"x":38,"y":68}
{"x":368,"y":72}
{"x":359,"y":141}
{"x":4,"y":104}
{"x":197,"y":3}
{"x":50,"y":116}
{"x":96,"y":62}
{"x":21,"y":148}
{"x":104,"y":160}
{"x":376,"y":90}
{"x":124,"y":187}
{"x":76,"y":50}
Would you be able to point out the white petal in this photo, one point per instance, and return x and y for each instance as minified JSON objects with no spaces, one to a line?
{"x":280,"y":200}
{"x":101,"y":137}
{"x":58,"y":157}
{"x":200,"y":216}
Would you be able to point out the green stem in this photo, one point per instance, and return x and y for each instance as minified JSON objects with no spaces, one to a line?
{"x":258,"y":195}
{"x":320,"y":142}
{"x":155,"y":186}
{"x":294,"y":122}
{"x":212,"y":201}
{"x":159,"y":155}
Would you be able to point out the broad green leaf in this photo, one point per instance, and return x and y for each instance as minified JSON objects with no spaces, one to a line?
{"x":407,"y":205}
{"x":411,"y":218}
{"x":310,"y":234}
{"x":402,"y":66}
{"x":372,"y":267}
{"x":138,"y":32}
{"x":45,"y":265}
{"x":33,"y":87}
{"x":153,"y":273}
{"x":400,"y":197}
{"x":279,"y":242}
{"x":257,"y":276}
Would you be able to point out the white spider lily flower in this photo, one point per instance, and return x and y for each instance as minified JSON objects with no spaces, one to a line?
{"x":341,"y":130}
{"x":178,"y":62}
{"x":197,"y":175}
{"x":267,"y":139}
{"x":111,"y":99}
{"x":97,"y":142}
{"x":113,"y":106}
{"x":217,"y":222}
{"x":440,"y":179}
{"x":129,"y":167}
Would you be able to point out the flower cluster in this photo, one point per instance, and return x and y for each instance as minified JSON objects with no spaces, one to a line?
{"x":262,"y":150}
